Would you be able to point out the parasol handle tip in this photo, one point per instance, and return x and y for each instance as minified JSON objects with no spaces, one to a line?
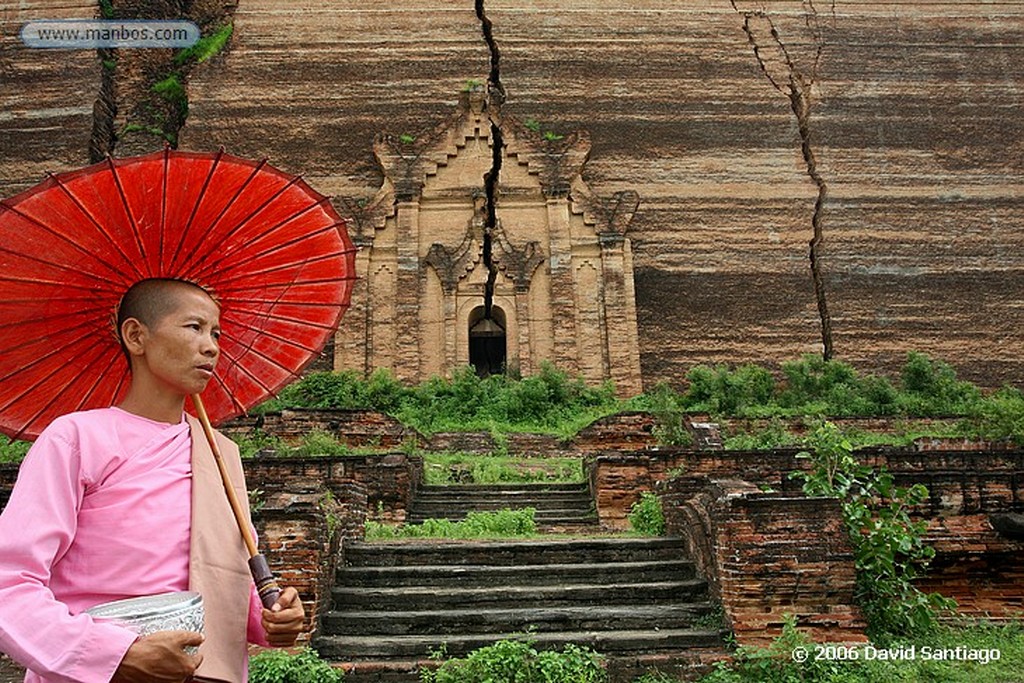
{"x":266,"y":585}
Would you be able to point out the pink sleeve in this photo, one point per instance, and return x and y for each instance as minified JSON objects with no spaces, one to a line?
{"x":254,"y":632}
{"x":37,"y":528}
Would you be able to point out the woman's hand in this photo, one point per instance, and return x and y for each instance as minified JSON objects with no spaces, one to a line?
{"x":160,"y":658}
{"x":283,"y":622}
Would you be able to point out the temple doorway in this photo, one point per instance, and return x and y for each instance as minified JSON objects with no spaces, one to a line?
{"x":487,"y":347}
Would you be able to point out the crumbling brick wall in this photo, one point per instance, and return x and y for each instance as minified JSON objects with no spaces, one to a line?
{"x":768,"y":555}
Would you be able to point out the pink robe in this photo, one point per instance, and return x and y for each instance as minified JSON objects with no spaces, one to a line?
{"x":101,"y":511}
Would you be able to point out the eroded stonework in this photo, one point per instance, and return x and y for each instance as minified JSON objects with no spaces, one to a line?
{"x":562,"y":260}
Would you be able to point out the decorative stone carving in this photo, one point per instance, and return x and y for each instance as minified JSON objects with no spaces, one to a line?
{"x":558,"y":261}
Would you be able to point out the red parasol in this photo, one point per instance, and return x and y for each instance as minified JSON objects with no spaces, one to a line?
{"x":270,"y":249}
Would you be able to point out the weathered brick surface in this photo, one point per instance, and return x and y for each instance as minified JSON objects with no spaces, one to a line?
{"x":301,"y":530}
{"x":356,"y":428}
{"x":768,"y":555}
{"x":620,"y":432}
{"x":390,"y":479}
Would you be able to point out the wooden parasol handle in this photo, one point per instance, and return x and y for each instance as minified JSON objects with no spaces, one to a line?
{"x":266,"y":586}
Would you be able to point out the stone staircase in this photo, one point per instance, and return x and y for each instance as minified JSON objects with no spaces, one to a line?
{"x":561,"y":506}
{"x":636,"y":600}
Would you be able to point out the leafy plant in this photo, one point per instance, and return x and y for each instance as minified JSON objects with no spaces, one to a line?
{"x":888,"y":544}
{"x":13,"y":451}
{"x":255,"y":440}
{"x":518,"y":661}
{"x":646,"y":516}
{"x":667,"y":407}
{"x":305,"y":666}
{"x":319,"y":442}
{"x":777,"y":662}
{"x":406,"y":138}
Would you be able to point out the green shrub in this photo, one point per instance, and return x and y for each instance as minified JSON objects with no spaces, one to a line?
{"x":504,"y":523}
{"x":12,"y":451}
{"x":776,"y":663}
{"x":548,"y":402}
{"x":646,"y":516}
{"x":319,"y":442}
{"x":932,"y":388}
{"x":721,"y":390}
{"x":1000,"y":416}
{"x":889,"y":548}
{"x":305,"y":666}
{"x":516,"y":661}
{"x":670,"y":416}
{"x":774,"y":435}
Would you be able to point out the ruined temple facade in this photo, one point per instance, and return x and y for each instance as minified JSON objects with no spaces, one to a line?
{"x":887,"y":137}
{"x":554,"y":267}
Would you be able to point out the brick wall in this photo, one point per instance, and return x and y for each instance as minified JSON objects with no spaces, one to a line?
{"x":301,"y":530}
{"x":390,"y":479}
{"x":768,"y":555}
{"x":357,"y":428}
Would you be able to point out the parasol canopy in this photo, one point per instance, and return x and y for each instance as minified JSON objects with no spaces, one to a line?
{"x":271,"y":250}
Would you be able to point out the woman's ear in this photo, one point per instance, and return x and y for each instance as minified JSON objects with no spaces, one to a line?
{"x":133,"y":334}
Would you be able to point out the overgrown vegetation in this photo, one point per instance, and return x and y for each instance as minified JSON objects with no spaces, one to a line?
{"x":304,"y":666}
{"x":504,"y":523}
{"x":646,"y":516}
{"x":518,"y":661}
{"x":889,"y":547}
{"x":443,"y":469}
{"x":549,"y":402}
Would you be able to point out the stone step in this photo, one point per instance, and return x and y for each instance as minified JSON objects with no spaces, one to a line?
{"x":534,"y":620}
{"x":541,"y":517}
{"x":496,"y":575}
{"x":608,"y":642}
{"x":502,"y":489}
{"x":389,"y":598}
{"x":513,"y":552}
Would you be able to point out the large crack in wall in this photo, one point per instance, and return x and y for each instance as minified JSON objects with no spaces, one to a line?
{"x":796,"y":84}
{"x":142,"y":102}
{"x":495,"y":98}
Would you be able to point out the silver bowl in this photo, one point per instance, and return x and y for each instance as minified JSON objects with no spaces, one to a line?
{"x":181,"y":611}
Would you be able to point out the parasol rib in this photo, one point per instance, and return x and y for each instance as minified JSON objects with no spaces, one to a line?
{"x":269,"y":231}
{"x":241,"y":224}
{"x":55,"y":351}
{"x":64,"y":238}
{"x":58,"y":391}
{"x":110,"y":238}
{"x":128,"y":213}
{"x":195,"y":207}
{"x":224,"y":209}
{"x":281,"y":246}
{"x":279,"y":268}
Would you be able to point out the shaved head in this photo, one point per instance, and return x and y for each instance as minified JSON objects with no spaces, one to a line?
{"x":149,"y":301}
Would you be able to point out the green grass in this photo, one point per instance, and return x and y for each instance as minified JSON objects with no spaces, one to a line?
{"x":864,"y":664}
{"x":443,"y":469}
{"x":505,"y":523}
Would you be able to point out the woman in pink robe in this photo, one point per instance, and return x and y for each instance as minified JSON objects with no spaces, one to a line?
{"x":102,"y":510}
